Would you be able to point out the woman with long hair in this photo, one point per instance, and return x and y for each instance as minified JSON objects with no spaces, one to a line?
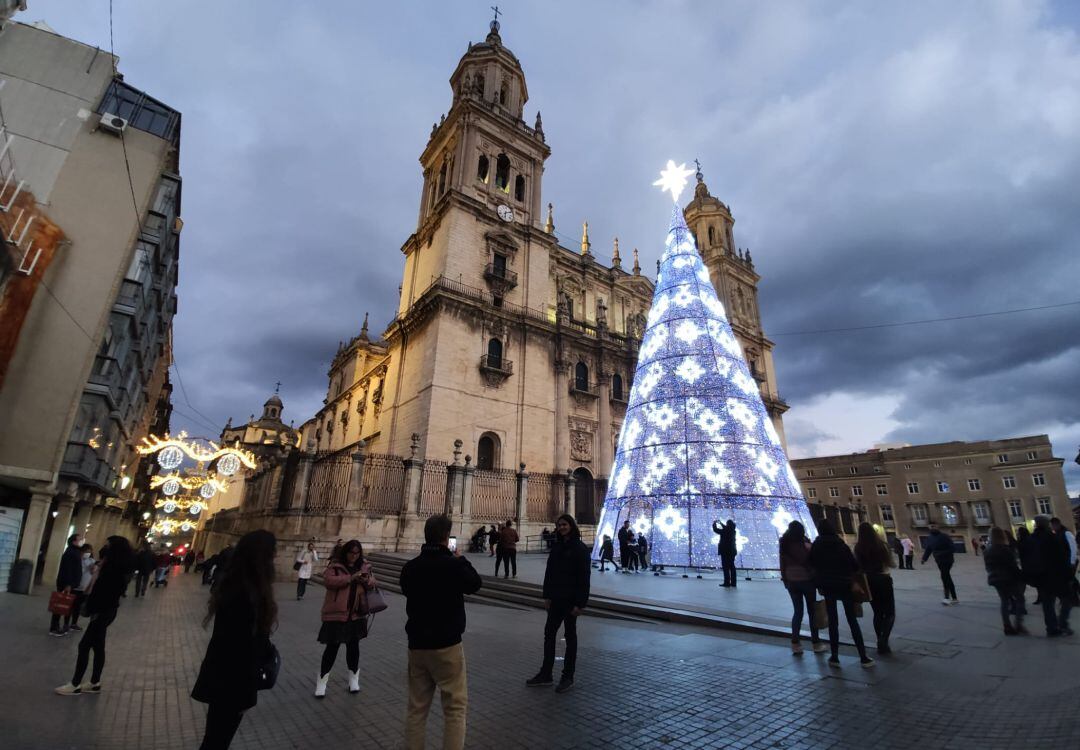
{"x":875,"y":559}
{"x":566,"y":592}
{"x":344,"y":613}
{"x":798,"y":579}
{"x":102,"y":602}
{"x":244,"y":613}
{"x":834,"y":573}
{"x":1003,"y":573}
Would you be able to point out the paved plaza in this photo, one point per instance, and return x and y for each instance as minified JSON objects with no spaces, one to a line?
{"x":639,"y":685}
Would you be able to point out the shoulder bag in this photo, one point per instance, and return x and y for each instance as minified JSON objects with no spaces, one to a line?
{"x":267,"y":673}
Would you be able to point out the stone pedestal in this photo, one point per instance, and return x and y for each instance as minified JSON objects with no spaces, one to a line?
{"x":356,"y":480}
{"x":571,"y":500}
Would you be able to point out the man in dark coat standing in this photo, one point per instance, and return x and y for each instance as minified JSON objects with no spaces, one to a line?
{"x":1047,"y":567}
{"x":566,"y":594}
{"x":624,"y":535}
{"x":434,"y":584}
{"x":727,"y":548}
{"x":67,"y":577}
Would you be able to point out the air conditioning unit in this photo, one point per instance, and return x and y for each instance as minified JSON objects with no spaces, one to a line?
{"x":113,"y":123}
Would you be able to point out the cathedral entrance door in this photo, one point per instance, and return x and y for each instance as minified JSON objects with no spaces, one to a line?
{"x":585,"y":496}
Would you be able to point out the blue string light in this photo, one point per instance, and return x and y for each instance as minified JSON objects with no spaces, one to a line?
{"x":697,"y":445}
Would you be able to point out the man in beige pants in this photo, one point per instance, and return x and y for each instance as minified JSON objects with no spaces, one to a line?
{"x":434,"y":584}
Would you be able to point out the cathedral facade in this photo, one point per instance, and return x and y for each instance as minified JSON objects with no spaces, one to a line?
{"x":504,"y":339}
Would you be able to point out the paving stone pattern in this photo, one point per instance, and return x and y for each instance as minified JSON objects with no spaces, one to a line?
{"x":638,"y":686}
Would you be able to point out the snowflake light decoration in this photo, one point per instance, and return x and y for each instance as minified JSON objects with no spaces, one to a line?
{"x":697,"y":445}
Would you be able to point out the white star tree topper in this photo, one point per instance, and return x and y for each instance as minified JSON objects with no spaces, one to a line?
{"x":674,"y":179}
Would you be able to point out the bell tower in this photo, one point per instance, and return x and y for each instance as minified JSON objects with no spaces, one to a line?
{"x":482,"y":164}
{"x":732,"y":273}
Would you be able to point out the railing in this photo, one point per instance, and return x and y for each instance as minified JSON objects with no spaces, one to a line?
{"x":432,"y":488}
{"x":497,"y":364}
{"x":494,"y":494}
{"x":545,"y":497}
{"x":479,"y":295}
{"x":328,"y":488}
{"x":501,"y":273}
{"x":383,"y":483}
{"x":587,"y":389}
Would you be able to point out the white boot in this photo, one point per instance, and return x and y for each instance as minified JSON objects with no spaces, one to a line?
{"x":320,"y":685}
{"x":354,"y":681}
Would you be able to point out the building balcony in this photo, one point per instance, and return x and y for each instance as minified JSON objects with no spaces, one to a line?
{"x":587,"y":390}
{"x":106,"y":373}
{"x":82,"y":463}
{"x":495,"y":369}
{"x":497,"y":364}
{"x":500,"y":274}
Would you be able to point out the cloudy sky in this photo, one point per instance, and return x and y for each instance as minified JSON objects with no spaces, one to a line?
{"x":885,"y":162}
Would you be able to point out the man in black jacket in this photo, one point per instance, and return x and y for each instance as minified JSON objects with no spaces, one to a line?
{"x":727,"y":548}
{"x":624,"y":545}
{"x":67,"y":577}
{"x":941,"y":547}
{"x":434,"y":584}
{"x":566,"y":593}
{"x":1047,"y":567}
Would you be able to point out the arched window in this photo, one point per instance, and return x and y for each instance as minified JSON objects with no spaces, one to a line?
{"x":482,"y":169}
{"x":495,"y":353}
{"x":487,"y":451}
{"x":502,"y":173}
{"x":616,"y":387}
{"x":581,"y":376}
{"x":712,"y":236}
{"x":442,"y":179}
{"x":504,"y":94}
{"x":519,"y":188}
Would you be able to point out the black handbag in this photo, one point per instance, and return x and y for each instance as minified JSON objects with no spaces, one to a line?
{"x":296,"y":565}
{"x":267,"y":674}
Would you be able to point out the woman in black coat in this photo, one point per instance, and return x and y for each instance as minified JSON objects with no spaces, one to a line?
{"x":244,"y":613}
{"x":102,"y":603}
{"x":834,"y":569}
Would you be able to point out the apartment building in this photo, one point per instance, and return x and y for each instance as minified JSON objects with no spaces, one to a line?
{"x":964,"y":488}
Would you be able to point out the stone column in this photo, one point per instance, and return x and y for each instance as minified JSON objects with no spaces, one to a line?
{"x":58,"y":537}
{"x":34,"y":522}
{"x":356,"y":480}
{"x":522,"y":496}
{"x":303,"y":479}
{"x":562,"y":416}
{"x":571,"y":501}
{"x":604,"y":431}
{"x":82,"y":517}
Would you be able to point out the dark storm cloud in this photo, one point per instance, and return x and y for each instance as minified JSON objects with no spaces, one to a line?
{"x":884,"y":163}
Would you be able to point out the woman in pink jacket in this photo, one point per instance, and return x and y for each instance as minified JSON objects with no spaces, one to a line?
{"x":344,"y":613}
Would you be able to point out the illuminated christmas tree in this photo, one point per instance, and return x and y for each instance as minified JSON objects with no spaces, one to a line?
{"x":697,"y":445}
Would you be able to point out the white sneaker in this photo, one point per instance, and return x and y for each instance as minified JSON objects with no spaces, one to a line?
{"x":796,"y":647}
{"x":946,"y":602}
{"x":68,"y":689}
{"x":354,"y":681}
{"x":820,"y":647}
{"x":90,"y":688}
{"x":954,"y":601}
{"x":320,"y":685}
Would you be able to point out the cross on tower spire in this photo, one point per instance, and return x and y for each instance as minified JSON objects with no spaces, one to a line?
{"x":495,"y":23}
{"x":277,"y":387}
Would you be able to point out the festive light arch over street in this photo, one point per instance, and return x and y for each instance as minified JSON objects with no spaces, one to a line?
{"x":697,"y":444}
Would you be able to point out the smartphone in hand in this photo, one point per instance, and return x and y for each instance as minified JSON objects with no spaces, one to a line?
{"x":453,"y":544}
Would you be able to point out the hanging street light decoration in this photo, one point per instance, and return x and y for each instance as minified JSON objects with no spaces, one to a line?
{"x":202,"y":483}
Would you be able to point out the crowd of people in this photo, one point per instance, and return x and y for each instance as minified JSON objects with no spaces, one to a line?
{"x":1045,"y":560}
{"x":501,"y":541}
{"x":241,"y":660}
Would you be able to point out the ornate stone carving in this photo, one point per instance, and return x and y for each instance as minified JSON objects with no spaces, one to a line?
{"x":581,"y":445}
